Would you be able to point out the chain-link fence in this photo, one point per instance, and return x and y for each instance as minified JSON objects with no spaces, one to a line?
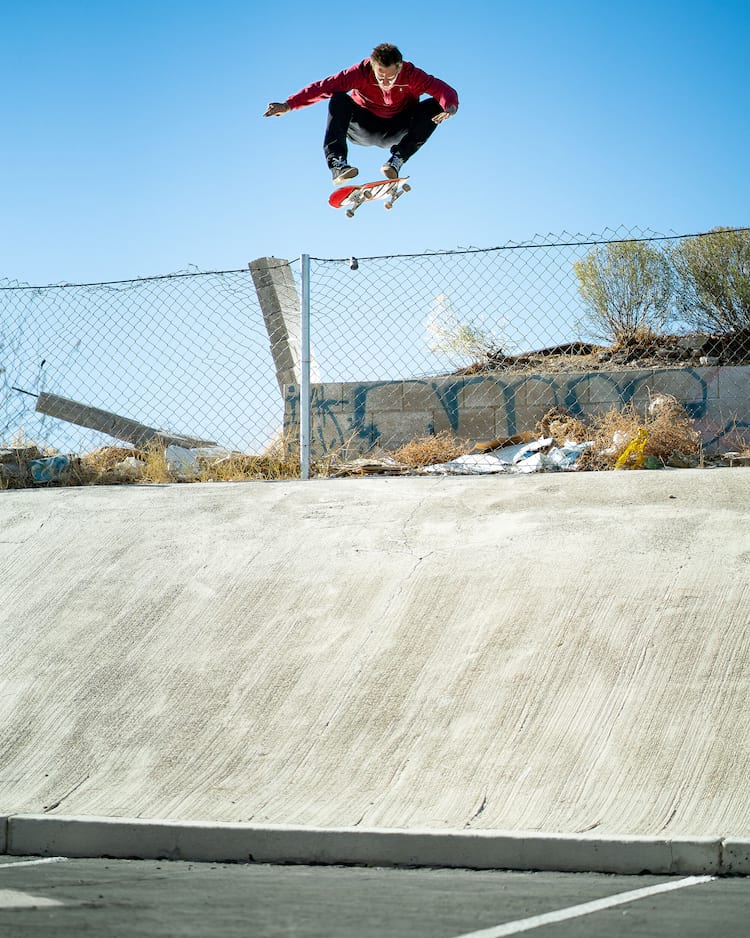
{"x":186,"y":354}
{"x":482,"y":343}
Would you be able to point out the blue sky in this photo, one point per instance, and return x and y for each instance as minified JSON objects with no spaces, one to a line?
{"x":134,"y":142}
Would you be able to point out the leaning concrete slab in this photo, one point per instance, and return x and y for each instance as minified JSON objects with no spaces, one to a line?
{"x":280,"y":303}
{"x":121,"y":428}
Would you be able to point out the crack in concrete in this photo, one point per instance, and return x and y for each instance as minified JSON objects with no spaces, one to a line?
{"x":48,"y":808}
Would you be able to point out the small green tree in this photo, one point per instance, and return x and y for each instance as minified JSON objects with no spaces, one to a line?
{"x":713,"y":291}
{"x":627,"y":287}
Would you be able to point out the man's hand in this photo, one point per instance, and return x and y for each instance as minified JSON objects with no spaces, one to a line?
{"x":277,"y":108}
{"x":444,"y":115}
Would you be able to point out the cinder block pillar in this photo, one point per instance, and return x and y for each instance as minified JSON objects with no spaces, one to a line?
{"x":280,"y":303}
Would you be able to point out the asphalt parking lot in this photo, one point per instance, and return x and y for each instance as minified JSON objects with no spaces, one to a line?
{"x":72,"y":897}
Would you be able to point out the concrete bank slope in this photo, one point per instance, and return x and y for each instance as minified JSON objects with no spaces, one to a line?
{"x":555,"y":653}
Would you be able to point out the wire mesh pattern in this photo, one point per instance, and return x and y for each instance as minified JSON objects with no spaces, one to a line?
{"x":480,"y":342}
{"x":389,"y":318}
{"x":186,"y":353}
{"x":483,"y":342}
{"x":392,"y":318}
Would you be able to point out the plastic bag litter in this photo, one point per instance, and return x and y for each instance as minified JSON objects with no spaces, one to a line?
{"x":555,"y":458}
{"x":470,"y":464}
{"x":187,"y":464}
{"x":632,"y":456}
{"x":565,"y":456}
{"x":131,"y":466}
{"x":182,"y":463}
{"x":536,"y":456}
{"x":522,"y":457}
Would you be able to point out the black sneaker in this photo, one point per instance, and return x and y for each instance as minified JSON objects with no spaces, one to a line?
{"x":341,"y":170}
{"x":392,"y":167}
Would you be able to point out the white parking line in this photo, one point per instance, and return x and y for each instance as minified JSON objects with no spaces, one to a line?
{"x":15,"y":899}
{"x":586,"y":908}
{"x":14,"y":866}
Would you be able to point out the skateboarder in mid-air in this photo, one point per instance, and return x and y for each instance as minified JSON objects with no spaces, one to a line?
{"x":376,"y":103}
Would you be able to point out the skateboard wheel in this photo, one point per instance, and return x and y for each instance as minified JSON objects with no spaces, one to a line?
{"x":406,"y":187}
{"x":350,"y":213}
{"x":389,"y":204}
{"x":367,"y":194}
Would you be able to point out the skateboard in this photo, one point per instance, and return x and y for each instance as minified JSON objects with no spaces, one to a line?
{"x":351,"y":197}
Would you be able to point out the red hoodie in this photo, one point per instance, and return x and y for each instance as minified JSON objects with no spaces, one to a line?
{"x":384,"y":102}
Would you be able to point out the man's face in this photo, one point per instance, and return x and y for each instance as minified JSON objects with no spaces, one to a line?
{"x":385,"y":75}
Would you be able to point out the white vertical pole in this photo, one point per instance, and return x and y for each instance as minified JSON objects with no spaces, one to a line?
{"x":304,"y":390}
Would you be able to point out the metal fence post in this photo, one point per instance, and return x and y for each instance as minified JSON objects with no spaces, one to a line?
{"x":304,"y":390}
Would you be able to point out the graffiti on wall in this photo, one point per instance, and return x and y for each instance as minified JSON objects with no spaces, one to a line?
{"x":351,"y":415}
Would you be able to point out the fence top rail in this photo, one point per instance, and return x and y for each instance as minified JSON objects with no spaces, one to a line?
{"x":533,"y":244}
{"x":573,"y":241}
{"x":116,"y":283}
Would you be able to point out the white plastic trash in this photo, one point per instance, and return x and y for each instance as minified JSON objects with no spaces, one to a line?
{"x":182,"y":463}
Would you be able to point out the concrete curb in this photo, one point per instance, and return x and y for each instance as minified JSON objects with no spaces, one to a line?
{"x":137,"y":838}
{"x":736,"y":857}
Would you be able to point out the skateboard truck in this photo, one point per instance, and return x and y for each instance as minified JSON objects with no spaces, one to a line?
{"x":352,"y":197}
{"x":359,"y":198}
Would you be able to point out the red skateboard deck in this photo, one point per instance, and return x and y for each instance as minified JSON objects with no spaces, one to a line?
{"x":351,"y":197}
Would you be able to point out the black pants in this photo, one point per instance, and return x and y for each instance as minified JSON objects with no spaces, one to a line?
{"x":404,"y":132}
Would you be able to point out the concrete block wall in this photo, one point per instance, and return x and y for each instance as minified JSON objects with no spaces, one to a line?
{"x":355,"y":418}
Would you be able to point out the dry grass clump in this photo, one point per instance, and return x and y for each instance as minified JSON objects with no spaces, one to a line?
{"x":150,"y":464}
{"x":670,"y":428}
{"x":431,"y":450}
{"x":155,"y":464}
{"x":238,"y":467}
{"x":110,"y":457}
{"x":562,"y":427}
{"x":624,"y":437}
{"x":110,"y":464}
{"x":612,"y":433}
{"x":279,"y":461}
{"x":157,"y":469}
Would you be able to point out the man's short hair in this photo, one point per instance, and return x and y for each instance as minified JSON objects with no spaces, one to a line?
{"x":386,"y":55}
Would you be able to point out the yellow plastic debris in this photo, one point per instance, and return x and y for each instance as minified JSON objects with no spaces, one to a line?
{"x":633,"y":449}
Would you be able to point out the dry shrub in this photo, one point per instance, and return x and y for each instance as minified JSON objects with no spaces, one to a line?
{"x":110,"y":465}
{"x":156,"y":469}
{"x":431,"y":450}
{"x":107,"y":465}
{"x":109,"y":457}
{"x":562,"y":427}
{"x":668,"y":427}
{"x":114,"y":465}
{"x":736,"y":436}
{"x":240,"y":468}
{"x":611,"y":434}
{"x":280,"y":460}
